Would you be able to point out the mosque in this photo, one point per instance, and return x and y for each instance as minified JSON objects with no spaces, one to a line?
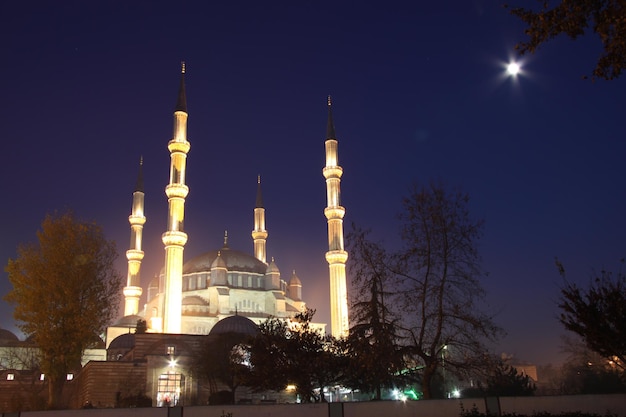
{"x":221,"y":291}
{"x":191,"y":297}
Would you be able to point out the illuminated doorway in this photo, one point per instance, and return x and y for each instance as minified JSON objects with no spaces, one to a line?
{"x":170,"y":388}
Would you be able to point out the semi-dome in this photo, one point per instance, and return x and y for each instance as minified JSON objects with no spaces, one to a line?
{"x":124,"y":341}
{"x":234,"y":260}
{"x":235,"y":324}
{"x":7,"y":336}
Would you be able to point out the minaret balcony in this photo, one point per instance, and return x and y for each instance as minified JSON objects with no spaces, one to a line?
{"x":332,"y":172}
{"x":136,"y":220}
{"x":336,"y":212}
{"x":176,"y":191}
{"x":336,"y":257}
{"x":133,"y":292}
{"x":259,"y":234}
{"x":175,"y":146}
{"x":134,"y":255}
{"x":174,"y":238}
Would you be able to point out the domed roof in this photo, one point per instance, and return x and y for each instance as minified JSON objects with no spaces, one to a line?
{"x":194,"y":300}
{"x":235,"y":324}
{"x":7,"y":336}
{"x":234,"y":259}
{"x":295,"y":280}
{"x":125,"y":341}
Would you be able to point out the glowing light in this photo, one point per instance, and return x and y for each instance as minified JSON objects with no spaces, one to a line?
{"x":290,"y":387}
{"x":456,"y":393}
{"x":172,"y":363}
{"x":513,"y":69}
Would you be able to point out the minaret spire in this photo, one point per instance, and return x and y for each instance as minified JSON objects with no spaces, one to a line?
{"x":336,"y":255}
{"x":259,"y":234}
{"x":175,"y":238}
{"x":132,"y":290}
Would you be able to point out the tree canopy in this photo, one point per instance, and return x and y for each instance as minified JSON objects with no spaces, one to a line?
{"x":66,"y":291}
{"x":605,"y":18}
{"x":598,"y":314}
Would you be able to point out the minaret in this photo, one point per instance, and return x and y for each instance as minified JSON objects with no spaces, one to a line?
{"x":132,"y":290}
{"x":259,"y":234}
{"x":175,"y":237}
{"x":336,"y":255}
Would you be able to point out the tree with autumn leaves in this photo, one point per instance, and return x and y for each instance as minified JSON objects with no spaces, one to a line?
{"x":65,"y":291}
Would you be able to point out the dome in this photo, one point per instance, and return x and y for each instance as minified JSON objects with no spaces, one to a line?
{"x":7,"y":336}
{"x":235,"y":324}
{"x":295,"y":280}
{"x":234,"y":260}
{"x":125,"y":341}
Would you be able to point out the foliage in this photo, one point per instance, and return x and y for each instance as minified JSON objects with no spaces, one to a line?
{"x":588,"y":372}
{"x":222,"y":359}
{"x":438,"y":272}
{"x":598,"y":314}
{"x":294,"y":354}
{"x":66,"y":290}
{"x":606,"y":18}
{"x":375,"y":357}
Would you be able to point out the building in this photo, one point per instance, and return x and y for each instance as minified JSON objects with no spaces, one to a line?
{"x":190,"y":297}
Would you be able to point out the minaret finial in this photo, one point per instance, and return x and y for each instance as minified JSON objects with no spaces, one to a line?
{"x":330,"y":126}
{"x":225,"y":238}
{"x":182,"y":67}
{"x":258,"y":179}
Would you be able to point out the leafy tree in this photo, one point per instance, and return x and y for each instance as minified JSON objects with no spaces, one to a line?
{"x":294,"y":353}
{"x":606,"y":18}
{"x":506,"y":381}
{"x":438,"y":270}
{"x":588,"y":372}
{"x":65,"y":290}
{"x":222,"y":359}
{"x":597,"y":314}
{"x":376,"y":359}
{"x":501,"y":380}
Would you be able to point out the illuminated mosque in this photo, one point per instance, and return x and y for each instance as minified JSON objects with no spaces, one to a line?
{"x":219,"y":292}
{"x":190,"y":297}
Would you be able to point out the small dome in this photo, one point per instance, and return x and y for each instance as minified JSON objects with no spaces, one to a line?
{"x":235,"y":324}
{"x":219,"y":261}
{"x":7,"y":336}
{"x":295,"y":280}
{"x":272,"y":268}
{"x":125,"y":341}
{"x":128,"y":321}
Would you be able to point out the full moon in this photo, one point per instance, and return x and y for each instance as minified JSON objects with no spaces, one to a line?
{"x":512,"y":68}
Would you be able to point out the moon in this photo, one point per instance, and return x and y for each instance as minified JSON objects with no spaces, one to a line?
{"x":513,"y":69}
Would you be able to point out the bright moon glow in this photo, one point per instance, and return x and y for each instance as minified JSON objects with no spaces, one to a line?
{"x":513,"y":68}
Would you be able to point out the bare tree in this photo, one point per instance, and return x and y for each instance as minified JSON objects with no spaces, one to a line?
{"x":438,"y":273}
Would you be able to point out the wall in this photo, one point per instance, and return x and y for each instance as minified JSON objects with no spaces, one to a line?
{"x":599,"y":404}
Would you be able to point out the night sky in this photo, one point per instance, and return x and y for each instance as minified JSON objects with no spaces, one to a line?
{"x":419,"y":92}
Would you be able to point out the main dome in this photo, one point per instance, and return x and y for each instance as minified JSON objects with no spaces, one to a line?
{"x":234,"y":259}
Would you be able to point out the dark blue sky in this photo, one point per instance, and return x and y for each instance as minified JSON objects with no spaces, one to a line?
{"x":419,"y":93}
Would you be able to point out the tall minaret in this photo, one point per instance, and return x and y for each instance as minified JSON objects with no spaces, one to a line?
{"x":336,"y":255}
{"x":259,"y":234}
{"x":175,"y":238}
{"x":132,"y":290}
